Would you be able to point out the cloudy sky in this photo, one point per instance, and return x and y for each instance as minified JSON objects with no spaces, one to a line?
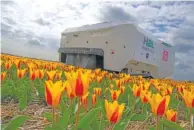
{"x":33,"y":27}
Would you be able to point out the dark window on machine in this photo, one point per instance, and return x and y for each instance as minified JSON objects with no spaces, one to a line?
{"x":147,"y":55}
{"x":63,"y":57}
{"x":99,"y":61}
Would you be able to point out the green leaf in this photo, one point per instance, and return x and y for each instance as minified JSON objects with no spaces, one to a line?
{"x":72,"y":120}
{"x":174,"y":103}
{"x":152,"y":128}
{"x":94,"y":124}
{"x":64,"y":121}
{"x":101,"y":123}
{"x":48,"y":116}
{"x":48,"y":128}
{"x":88,"y":118}
{"x":120,"y":126}
{"x":171,"y":125}
{"x":23,"y":101}
{"x":16,"y":122}
{"x":138,"y":117}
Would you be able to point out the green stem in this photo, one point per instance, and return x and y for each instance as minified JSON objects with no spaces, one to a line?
{"x":133,"y":105}
{"x":143,"y":108}
{"x":77,"y":117}
{"x":53,"y":113}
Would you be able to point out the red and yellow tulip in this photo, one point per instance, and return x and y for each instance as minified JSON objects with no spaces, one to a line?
{"x":97,"y":91}
{"x":84,"y":100}
{"x":50,"y":74}
{"x":145,"y":96}
{"x":93,"y":99}
{"x":159,"y":104}
{"x":33,"y":74}
{"x":122,"y":89}
{"x":188,"y":97}
{"x":58,"y":75}
{"x":115,"y":94}
{"x":79,"y":82}
{"x":3,"y":75}
{"x":53,"y":92}
{"x":114,"y":111}
{"x":171,"y":115}
{"x":136,"y":90}
{"x":17,"y":62}
{"x":21,"y":73}
{"x":8,"y":64}
{"x":67,"y":87}
{"x":40,"y":74}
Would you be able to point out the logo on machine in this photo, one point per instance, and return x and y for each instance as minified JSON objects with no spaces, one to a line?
{"x":165,"y":55}
{"x":148,"y":45}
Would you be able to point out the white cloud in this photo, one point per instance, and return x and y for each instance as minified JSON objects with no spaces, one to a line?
{"x":42,"y":21}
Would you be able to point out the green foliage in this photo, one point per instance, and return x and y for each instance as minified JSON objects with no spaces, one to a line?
{"x":16,"y":122}
{"x":169,"y":125}
{"x":88,"y":118}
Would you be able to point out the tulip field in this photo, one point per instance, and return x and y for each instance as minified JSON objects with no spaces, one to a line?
{"x":47,"y":95}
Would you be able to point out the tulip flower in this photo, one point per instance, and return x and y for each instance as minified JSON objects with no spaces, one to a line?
{"x":70,"y":94}
{"x":84,"y":100}
{"x":53,"y":66}
{"x":145,"y":96}
{"x":180,"y":89}
{"x":122,"y":89}
{"x":8,"y":64}
{"x":146,"y":86}
{"x":115,"y":94}
{"x":97,"y":91}
{"x":53,"y":92}
{"x":169,"y":90}
{"x":188,"y":97}
{"x":136,"y":90}
{"x":3,"y":74}
{"x":58,"y":75}
{"x":97,"y":71}
{"x":21,"y":73}
{"x":79,"y":82}
{"x":159,"y":104}
{"x":99,"y":79}
{"x":171,"y":115}
{"x":93,"y":99}
{"x":50,"y":75}
{"x":17,"y":62}
{"x":118,"y":83}
{"x":114,"y":111}
{"x":31,"y":66}
{"x":33,"y":74}
{"x":40,"y":74}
